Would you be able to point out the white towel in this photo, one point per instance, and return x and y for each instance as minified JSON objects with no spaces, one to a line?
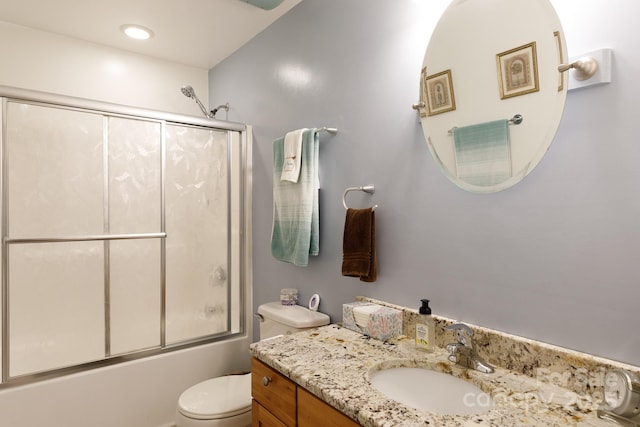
{"x":296,"y":226}
{"x":292,"y":155}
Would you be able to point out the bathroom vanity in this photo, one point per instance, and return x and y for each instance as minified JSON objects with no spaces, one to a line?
{"x":330,"y":366}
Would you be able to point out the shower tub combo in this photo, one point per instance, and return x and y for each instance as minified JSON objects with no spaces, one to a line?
{"x":122,"y":233}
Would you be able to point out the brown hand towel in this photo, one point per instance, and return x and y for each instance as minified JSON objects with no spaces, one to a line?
{"x":359,"y":245}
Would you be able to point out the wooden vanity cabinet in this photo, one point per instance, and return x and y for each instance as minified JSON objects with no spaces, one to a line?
{"x":260,"y":417}
{"x":313,"y":412}
{"x":274,"y":397}
{"x":279,"y":402}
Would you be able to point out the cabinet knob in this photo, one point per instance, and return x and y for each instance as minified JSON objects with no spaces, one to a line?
{"x":266,"y":381}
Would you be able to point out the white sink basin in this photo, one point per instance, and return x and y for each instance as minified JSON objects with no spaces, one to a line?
{"x":431,"y":391}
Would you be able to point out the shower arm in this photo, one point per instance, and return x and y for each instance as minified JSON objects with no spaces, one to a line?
{"x":210,"y":115}
{"x":224,"y":107}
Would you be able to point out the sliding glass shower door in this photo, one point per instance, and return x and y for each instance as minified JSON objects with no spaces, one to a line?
{"x":121,"y":235}
{"x":197,"y":190}
{"x":54,"y":189}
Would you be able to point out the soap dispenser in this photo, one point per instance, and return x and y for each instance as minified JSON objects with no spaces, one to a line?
{"x":425,"y":328}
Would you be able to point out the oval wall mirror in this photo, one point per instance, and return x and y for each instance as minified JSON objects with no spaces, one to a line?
{"x":493,"y":96}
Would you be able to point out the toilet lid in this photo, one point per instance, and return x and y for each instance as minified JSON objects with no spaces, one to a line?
{"x":220,"y":397}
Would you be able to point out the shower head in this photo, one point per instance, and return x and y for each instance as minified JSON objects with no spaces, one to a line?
{"x":190,"y":93}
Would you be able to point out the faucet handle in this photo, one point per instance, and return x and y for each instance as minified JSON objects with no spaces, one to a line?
{"x":463,"y":333}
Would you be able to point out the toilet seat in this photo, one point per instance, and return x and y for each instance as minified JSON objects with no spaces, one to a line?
{"x":217,"y":398}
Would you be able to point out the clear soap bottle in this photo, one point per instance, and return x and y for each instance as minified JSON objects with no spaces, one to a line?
{"x":425,"y":328}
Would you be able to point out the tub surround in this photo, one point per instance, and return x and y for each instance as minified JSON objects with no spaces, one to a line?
{"x":534,"y":384}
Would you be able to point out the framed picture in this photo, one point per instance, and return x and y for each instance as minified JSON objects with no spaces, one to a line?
{"x":556,"y":36}
{"x":518,"y":71}
{"x":439,"y":93}
{"x":423,"y":92}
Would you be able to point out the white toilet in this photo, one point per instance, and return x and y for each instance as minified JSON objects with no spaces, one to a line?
{"x":226,"y":401}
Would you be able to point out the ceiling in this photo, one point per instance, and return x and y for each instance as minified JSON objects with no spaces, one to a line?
{"x":198,"y":33}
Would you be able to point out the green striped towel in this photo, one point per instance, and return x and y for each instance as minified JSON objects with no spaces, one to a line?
{"x":296,"y":227}
{"x":483,"y":153}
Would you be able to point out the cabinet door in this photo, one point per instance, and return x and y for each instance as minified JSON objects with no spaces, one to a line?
{"x":274,"y":392}
{"x":313,"y":412}
{"x":260,"y":417}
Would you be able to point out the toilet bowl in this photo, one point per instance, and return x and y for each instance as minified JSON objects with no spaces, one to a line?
{"x":226,"y":401}
{"x":218,"y":402}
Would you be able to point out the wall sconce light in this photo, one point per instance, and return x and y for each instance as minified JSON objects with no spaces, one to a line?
{"x":591,"y":69}
{"x":584,"y":67}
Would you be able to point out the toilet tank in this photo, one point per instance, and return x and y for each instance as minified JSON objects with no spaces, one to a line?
{"x":278,"y":319}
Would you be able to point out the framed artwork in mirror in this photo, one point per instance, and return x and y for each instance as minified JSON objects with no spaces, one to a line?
{"x":558,"y":39}
{"x":439,"y":93}
{"x":423,"y":92}
{"x":518,"y":71}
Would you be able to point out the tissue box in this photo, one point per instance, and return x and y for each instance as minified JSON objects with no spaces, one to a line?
{"x":384,"y":322}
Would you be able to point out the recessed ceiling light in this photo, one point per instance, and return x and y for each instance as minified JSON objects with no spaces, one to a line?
{"x":137,"y":32}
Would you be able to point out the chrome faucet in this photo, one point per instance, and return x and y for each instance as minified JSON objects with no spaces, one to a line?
{"x":462,"y":351}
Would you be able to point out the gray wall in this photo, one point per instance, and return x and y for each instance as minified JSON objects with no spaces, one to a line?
{"x":555,"y":258}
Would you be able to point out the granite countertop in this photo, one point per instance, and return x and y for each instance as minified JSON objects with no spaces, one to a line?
{"x":334,"y":363}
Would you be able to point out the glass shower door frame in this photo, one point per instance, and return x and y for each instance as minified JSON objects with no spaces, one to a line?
{"x":237,"y":144}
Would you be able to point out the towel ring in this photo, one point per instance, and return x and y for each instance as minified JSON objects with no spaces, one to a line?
{"x":367,"y":189}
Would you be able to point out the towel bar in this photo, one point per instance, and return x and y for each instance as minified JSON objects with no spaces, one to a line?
{"x":367,"y":189}
{"x":516,"y":120}
{"x":332,"y":131}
